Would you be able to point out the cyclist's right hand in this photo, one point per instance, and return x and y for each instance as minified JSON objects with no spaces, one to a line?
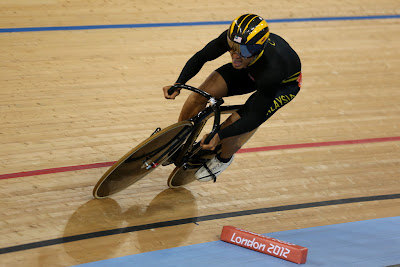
{"x":175,"y":94}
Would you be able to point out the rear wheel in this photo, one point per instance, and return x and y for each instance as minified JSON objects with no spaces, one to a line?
{"x":142,"y":159}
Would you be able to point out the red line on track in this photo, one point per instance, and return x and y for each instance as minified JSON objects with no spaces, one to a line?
{"x":320,"y":144}
{"x":243,"y":150}
{"x":56,"y":170}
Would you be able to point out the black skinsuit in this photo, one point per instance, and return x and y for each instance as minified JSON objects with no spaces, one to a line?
{"x":275,"y":76}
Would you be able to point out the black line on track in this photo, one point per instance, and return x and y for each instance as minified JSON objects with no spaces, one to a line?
{"x":137,"y":228}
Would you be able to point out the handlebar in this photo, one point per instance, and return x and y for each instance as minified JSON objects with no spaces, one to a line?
{"x":190,"y":88}
{"x":214,"y":103}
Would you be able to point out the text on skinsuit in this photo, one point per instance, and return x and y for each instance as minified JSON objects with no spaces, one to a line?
{"x":248,"y":243}
{"x":280,"y":101}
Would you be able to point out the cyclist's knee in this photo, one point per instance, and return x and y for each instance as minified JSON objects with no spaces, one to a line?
{"x":215,"y":85}
{"x":197,"y":100}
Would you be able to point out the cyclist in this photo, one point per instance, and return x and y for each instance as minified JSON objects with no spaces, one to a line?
{"x":262,"y":63}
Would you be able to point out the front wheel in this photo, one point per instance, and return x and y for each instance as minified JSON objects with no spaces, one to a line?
{"x":181,"y":176}
{"x":185,"y":174}
{"x":142,"y":159}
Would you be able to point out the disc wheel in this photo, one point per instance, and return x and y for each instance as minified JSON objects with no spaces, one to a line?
{"x":181,"y":176}
{"x":139,"y":161}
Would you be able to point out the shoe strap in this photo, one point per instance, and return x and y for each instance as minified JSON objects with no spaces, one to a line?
{"x":210,"y":172}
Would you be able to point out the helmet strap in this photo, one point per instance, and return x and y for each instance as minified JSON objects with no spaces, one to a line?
{"x":256,"y":58}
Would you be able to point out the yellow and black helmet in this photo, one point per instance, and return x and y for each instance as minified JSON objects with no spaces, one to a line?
{"x":248,"y":35}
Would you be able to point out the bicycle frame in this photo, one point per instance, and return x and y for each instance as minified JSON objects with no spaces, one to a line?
{"x":214,"y":109}
{"x":176,"y":142}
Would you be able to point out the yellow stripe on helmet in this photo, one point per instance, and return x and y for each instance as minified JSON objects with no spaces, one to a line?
{"x":243,"y":21}
{"x":232,"y":27}
{"x":235,"y":22}
{"x":245,"y":28}
{"x":263,"y":24}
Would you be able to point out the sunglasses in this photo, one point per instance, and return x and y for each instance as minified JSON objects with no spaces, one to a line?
{"x":245,"y":51}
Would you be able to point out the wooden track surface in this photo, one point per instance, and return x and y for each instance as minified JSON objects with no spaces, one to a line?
{"x":71,"y":98}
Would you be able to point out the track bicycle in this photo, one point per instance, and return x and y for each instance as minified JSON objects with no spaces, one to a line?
{"x":175,"y":144}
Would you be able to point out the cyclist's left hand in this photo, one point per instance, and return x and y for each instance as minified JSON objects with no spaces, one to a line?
{"x":213,"y":142}
{"x":174,"y":95}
